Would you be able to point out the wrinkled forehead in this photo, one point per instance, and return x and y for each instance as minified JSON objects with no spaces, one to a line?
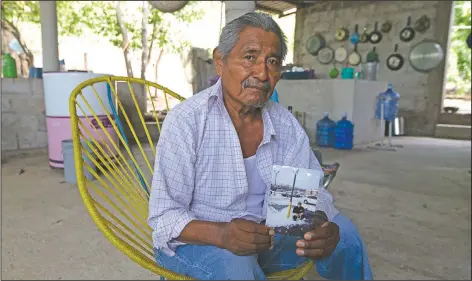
{"x":255,"y":39}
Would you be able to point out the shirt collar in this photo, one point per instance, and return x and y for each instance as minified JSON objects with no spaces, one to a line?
{"x":216,"y":95}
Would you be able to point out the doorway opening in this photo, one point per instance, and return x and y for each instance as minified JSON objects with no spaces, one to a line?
{"x":457,"y":91}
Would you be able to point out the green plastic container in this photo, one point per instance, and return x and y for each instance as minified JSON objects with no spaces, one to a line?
{"x":9,"y":66}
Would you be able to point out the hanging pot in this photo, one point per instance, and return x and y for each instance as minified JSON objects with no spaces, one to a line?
{"x":355,"y":35}
{"x":354,"y":58}
{"x":386,"y":27}
{"x":315,"y":43}
{"x":334,"y":72}
{"x":408,"y":33}
{"x":375,"y":36}
{"x":325,"y":55}
{"x":426,"y":55}
{"x":168,"y":6}
{"x":340,"y":55}
{"x":422,"y":24}
{"x":341,"y":34}
{"x":364,"y":38}
{"x":372,"y":56}
{"x":395,"y":61}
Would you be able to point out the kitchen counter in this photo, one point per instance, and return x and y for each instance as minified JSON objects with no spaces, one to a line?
{"x":355,"y":97}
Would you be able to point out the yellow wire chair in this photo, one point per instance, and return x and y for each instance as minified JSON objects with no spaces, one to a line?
{"x":115,"y":195}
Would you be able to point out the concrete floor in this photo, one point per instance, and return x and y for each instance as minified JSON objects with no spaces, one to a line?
{"x":412,"y":208}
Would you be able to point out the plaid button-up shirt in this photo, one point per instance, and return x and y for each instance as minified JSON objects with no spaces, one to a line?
{"x":199,"y":171}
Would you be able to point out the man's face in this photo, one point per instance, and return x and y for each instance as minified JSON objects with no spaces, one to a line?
{"x":252,"y":69}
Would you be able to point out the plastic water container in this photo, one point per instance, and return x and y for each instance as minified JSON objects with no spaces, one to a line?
{"x":9,"y":66}
{"x":344,"y":133}
{"x":390,"y":100}
{"x":69,"y":163}
{"x":325,"y":131}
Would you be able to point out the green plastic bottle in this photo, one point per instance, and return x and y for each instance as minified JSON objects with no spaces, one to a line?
{"x":9,"y":66}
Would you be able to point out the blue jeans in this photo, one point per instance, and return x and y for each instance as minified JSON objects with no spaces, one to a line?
{"x":348,"y":261}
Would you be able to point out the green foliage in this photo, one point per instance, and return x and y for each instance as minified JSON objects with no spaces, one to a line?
{"x":100,"y":17}
{"x":68,"y":15}
{"x":74,"y":17}
{"x":459,"y":65}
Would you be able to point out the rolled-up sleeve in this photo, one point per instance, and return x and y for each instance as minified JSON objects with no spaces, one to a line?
{"x":172,"y":182}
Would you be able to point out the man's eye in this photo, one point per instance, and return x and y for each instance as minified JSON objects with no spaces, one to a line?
{"x":273,"y":61}
{"x":250,"y":57}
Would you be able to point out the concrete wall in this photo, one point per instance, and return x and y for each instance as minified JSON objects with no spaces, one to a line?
{"x":23,"y":116}
{"x":421,"y":94}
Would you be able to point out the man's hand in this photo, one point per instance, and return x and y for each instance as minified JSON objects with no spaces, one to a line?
{"x":321,"y":241}
{"x":243,"y":237}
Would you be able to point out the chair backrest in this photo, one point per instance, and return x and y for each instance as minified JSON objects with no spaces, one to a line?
{"x":114,"y":148}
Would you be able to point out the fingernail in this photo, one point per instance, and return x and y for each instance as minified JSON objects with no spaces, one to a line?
{"x":301,"y":244}
{"x":307,"y":236}
{"x":300,"y":252}
{"x":271,"y":232}
{"x":325,"y":224}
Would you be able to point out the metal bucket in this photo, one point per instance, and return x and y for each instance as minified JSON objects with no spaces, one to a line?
{"x":69,"y":163}
{"x":370,"y":71}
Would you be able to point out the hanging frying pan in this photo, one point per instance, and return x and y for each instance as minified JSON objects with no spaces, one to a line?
{"x":395,"y":61}
{"x":340,"y":55}
{"x":386,"y":26}
{"x":364,"y":36}
{"x":341,"y":34}
{"x":315,"y":43}
{"x":408,"y":33}
{"x":325,"y":55}
{"x":334,"y":72}
{"x":355,"y":36}
{"x":426,"y":55}
{"x":354,"y":58}
{"x":375,"y":36}
{"x":422,"y":24}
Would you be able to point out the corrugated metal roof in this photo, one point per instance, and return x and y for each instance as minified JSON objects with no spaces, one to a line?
{"x":281,"y":7}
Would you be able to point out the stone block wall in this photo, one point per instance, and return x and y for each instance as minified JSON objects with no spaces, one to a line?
{"x":23,"y":114}
{"x":421,"y":93}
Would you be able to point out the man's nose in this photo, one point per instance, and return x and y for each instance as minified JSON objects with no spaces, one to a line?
{"x":260,"y":70}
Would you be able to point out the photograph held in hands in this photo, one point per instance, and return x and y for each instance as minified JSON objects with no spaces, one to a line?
{"x":292,"y":199}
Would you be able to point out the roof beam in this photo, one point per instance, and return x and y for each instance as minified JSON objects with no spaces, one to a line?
{"x":270,"y":10}
{"x":298,"y":4}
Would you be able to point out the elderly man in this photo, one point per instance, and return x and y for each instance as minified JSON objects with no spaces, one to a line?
{"x":213,"y":171}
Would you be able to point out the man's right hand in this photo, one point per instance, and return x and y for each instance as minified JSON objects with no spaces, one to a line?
{"x":243,"y":237}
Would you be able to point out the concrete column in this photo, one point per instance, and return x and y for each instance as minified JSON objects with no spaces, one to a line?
{"x":235,"y":9}
{"x":48,"y":19}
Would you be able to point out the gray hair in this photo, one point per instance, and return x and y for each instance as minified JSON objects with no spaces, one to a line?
{"x":230,"y":33}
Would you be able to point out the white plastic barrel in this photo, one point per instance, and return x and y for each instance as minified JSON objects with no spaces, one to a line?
{"x":58,"y":87}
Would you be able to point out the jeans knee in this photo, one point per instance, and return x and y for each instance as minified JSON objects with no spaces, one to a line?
{"x":232,"y":267}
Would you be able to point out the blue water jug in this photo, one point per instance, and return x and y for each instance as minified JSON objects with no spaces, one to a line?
{"x":390,"y":100}
{"x":275,"y":96}
{"x":325,"y":131}
{"x":344,"y":133}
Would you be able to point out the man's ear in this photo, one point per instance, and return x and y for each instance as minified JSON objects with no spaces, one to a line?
{"x":218,"y":60}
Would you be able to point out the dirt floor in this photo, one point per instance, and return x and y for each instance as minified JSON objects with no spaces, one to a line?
{"x":412,"y":208}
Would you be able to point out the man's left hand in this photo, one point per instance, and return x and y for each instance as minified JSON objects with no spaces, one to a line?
{"x":320,"y":242}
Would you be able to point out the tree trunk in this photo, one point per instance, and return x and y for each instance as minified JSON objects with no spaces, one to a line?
{"x":156,"y":68}
{"x":10,"y":27}
{"x":124,"y":34}
{"x":144,"y":43}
